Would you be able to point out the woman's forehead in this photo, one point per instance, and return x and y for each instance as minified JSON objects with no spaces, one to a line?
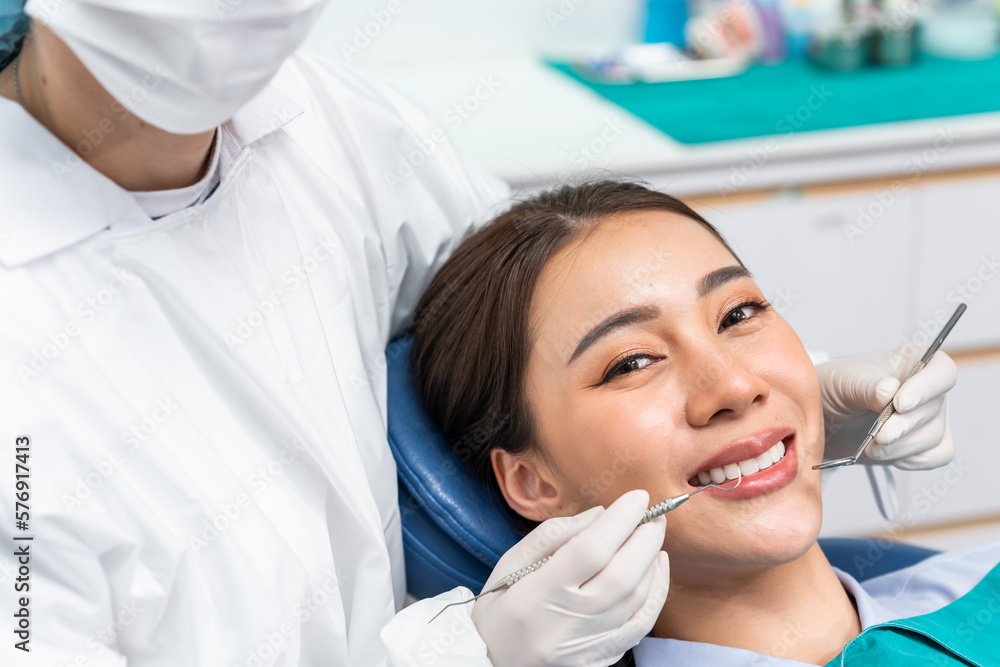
{"x":629,"y":255}
{"x":650,"y":258}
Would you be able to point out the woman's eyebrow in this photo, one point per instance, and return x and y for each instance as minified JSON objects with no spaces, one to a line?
{"x":620,"y":319}
{"x":720,"y":277}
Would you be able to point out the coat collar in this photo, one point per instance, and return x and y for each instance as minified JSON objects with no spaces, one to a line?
{"x":51,"y":199}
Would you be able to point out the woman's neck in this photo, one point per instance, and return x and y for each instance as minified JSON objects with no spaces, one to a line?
{"x":62,"y":95}
{"x":798,"y":610}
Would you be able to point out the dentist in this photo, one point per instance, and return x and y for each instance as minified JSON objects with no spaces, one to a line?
{"x":206,"y":242}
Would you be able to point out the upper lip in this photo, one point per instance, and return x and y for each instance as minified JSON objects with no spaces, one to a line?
{"x":746,"y":448}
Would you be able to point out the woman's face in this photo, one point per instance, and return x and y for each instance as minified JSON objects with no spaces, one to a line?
{"x":651,"y":364}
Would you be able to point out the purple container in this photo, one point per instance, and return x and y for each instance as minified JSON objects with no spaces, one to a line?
{"x":775,"y":48}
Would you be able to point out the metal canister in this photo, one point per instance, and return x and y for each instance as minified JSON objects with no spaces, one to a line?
{"x":894,"y":40}
{"x":843,"y":47}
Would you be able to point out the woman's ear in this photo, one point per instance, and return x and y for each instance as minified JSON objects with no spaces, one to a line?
{"x":527,"y":486}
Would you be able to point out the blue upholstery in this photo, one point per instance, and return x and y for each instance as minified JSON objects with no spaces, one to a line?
{"x":864,"y":558}
{"x":455,"y":529}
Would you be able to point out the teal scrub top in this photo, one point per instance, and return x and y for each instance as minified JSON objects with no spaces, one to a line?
{"x":920,"y":589}
{"x":965,"y":632}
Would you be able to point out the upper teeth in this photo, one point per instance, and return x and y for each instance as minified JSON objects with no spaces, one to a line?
{"x":747,"y":467}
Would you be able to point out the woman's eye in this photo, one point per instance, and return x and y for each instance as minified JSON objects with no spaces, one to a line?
{"x":739,"y":313}
{"x":628,"y":365}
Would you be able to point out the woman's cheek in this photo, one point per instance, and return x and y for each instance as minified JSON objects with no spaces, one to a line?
{"x":652,"y":430}
{"x":792,"y":366}
{"x":619,"y":469}
{"x":632,"y":428}
{"x":796,"y":358}
{"x":626,"y":462}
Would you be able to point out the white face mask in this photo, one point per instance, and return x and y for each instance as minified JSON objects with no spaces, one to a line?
{"x":184,"y":66}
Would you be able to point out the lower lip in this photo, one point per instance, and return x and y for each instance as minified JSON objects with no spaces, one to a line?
{"x":764,"y":481}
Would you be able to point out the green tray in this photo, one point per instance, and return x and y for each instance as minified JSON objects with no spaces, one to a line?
{"x":798,"y":96}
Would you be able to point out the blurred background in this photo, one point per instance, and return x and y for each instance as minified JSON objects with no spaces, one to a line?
{"x":850,"y":152}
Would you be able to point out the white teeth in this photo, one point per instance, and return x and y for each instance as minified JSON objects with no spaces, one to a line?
{"x":747,"y":467}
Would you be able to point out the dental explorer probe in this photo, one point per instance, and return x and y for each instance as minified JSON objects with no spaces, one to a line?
{"x":668,"y":505}
{"x":889,"y":410}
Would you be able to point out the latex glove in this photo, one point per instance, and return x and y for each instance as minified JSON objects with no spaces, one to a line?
{"x":597,"y":596}
{"x":854,"y":391}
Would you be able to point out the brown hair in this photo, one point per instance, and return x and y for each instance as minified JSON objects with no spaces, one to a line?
{"x":471,"y":328}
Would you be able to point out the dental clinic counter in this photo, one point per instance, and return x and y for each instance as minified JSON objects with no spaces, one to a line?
{"x":862,"y":238}
{"x":534,"y":126}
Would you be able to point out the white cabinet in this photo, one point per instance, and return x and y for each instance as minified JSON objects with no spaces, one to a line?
{"x":967,"y":488}
{"x":849,"y":504}
{"x":959,"y":259}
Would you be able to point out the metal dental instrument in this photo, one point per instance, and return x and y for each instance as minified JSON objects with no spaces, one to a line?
{"x":889,"y":410}
{"x":668,"y":505}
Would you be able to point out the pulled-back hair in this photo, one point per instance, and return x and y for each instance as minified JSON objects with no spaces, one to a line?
{"x":471,"y":328}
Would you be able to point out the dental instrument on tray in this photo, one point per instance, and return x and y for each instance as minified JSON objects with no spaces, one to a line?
{"x":889,"y":410}
{"x":668,"y":505}
{"x":654,"y":63}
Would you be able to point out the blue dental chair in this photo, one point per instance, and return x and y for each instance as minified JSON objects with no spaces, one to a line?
{"x":455,"y":529}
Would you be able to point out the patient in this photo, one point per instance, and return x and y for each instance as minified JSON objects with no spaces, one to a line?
{"x":608,"y":339}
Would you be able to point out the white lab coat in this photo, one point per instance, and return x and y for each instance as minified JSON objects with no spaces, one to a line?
{"x":205,"y":394}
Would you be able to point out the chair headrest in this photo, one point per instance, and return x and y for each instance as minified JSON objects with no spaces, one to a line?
{"x":455,"y":513}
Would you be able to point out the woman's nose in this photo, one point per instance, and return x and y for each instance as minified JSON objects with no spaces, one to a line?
{"x":719,"y":384}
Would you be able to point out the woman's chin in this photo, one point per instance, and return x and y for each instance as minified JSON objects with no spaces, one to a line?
{"x":772,"y":552}
{"x":780,"y":543}
{"x":758,"y":546}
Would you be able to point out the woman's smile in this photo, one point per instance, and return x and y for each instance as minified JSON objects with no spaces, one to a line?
{"x":774,"y":468}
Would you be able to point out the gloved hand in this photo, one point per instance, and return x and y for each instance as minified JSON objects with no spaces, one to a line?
{"x":597,"y":596}
{"x":854,"y":391}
